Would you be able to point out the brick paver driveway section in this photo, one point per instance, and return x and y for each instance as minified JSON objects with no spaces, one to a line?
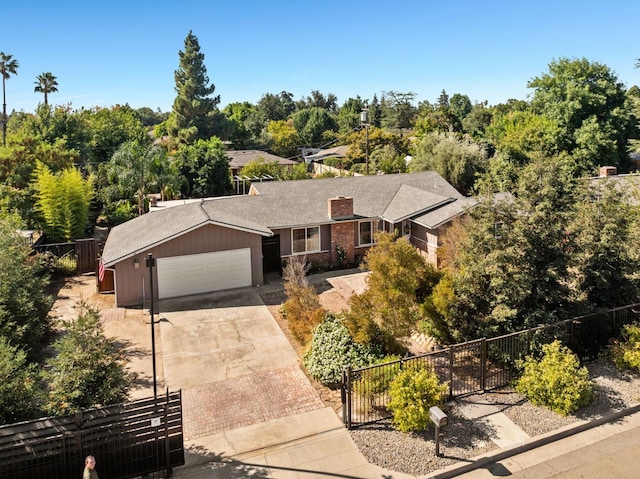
{"x":232,"y":362}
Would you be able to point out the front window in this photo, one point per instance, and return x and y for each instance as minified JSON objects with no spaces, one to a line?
{"x":367,"y":231}
{"x":305,"y":240}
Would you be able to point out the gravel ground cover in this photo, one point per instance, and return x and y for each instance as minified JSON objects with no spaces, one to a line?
{"x":415,"y":453}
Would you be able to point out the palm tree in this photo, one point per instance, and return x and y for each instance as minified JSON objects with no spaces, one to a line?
{"x":8,"y":67}
{"x":46,"y":83}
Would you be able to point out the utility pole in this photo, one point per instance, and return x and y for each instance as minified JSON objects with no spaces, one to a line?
{"x":364,"y":120}
{"x":151,"y":262}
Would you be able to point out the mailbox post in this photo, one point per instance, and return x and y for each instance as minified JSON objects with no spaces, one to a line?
{"x":439,"y":418}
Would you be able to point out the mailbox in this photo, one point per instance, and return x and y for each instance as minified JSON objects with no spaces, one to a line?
{"x":438,"y":416}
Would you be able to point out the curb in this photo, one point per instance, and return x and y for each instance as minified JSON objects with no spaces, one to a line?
{"x":479,"y":461}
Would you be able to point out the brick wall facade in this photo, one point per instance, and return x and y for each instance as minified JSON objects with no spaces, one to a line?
{"x":340,"y":208}
{"x":343,"y":235}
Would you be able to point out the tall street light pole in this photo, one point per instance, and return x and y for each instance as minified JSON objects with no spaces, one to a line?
{"x":364,"y":120}
{"x":151,"y":262}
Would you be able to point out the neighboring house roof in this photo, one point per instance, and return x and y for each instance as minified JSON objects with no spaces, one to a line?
{"x":287,"y":204}
{"x":335,"y":152}
{"x":238,"y":159}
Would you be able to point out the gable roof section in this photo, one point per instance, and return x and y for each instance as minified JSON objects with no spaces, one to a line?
{"x":409,"y":201}
{"x":151,"y":229}
{"x":437,"y":217}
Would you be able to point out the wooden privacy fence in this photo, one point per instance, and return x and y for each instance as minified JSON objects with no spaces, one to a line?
{"x":479,"y":365}
{"x":128,"y":440}
{"x":77,"y":257}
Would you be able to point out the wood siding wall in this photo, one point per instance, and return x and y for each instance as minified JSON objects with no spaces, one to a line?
{"x":132,"y":285}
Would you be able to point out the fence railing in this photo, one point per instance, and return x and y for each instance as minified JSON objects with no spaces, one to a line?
{"x":479,"y":365}
{"x":128,"y":440}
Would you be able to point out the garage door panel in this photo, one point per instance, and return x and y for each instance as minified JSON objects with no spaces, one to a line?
{"x":202,"y":273}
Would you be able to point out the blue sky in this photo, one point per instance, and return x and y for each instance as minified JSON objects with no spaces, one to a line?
{"x":115,"y":52}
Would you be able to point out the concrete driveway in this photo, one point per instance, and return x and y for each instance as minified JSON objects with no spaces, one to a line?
{"x":218,"y":337}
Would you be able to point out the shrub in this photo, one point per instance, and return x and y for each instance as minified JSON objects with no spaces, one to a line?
{"x":626,"y":353}
{"x":413,"y":392}
{"x":333,"y":349}
{"x":302,"y":307}
{"x":556,"y":380}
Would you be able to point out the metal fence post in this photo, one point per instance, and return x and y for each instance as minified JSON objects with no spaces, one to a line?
{"x":347,"y":385}
{"x":450,"y":372}
{"x":167,"y":442}
{"x":483,"y":364}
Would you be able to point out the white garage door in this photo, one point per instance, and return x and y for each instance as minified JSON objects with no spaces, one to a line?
{"x":202,"y":273}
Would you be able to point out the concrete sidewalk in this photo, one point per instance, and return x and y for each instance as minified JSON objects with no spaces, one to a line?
{"x":308,"y":445}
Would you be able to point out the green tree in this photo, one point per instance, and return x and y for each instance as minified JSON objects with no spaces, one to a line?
{"x":20,"y":395}
{"x":319,"y":100}
{"x":312,"y":124}
{"x":524,"y":135}
{"x":398,"y":111}
{"x":378,"y":138}
{"x":398,"y":282}
{"x":477,"y":120}
{"x":602,"y":269}
{"x":8,"y":66}
{"x":276,"y":107}
{"x":135,"y":167}
{"x":63,"y":200}
{"x":387,"y":159}
{"x":194,"y":107}
{"x":460,"y":106}
{"x":512,"y":267}
{"x":349,"y":115}
{"x":588,"y":103}
{"x":238,"y":113}
{"x":458,"y":160}
{"x":107,"y":129}
{"x":24,"y":305}
{"x":284,"y":138}
{"x":205,"y":169}
{"x":46,"y":83}
{"x":88,"y":370}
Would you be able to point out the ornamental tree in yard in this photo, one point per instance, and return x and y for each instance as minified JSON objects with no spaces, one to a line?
{"x":63,"y":200}
{"x":88,"y":370}
{"x":399,"y":280}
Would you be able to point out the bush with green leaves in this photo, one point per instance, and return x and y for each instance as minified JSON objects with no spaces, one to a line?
{"x":333,"y":349}
{"x":20,"y":394}
{"x":89,"y":369}
{"x":556,"y":380}
{"x":413,"y":391}
{"x":626,"y":353}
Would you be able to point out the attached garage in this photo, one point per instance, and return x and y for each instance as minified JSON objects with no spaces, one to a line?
{"x":203,"y":273}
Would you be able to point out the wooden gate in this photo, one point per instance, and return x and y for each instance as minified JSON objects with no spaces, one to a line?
{"x":86,"y":253}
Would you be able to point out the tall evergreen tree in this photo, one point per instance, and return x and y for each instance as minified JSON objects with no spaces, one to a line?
{"x":194,"y":108}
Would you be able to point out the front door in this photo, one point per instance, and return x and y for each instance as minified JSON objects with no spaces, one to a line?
{"x":271,"y":254}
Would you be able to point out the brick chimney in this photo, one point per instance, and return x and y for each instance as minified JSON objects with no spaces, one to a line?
{"x":608,"y":171}
{"x":340,"y":208}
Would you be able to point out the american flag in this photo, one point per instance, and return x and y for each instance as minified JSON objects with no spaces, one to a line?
{"x":100,"y":270}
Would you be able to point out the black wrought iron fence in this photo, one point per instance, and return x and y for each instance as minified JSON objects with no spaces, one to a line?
{"x":479,"y":365}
